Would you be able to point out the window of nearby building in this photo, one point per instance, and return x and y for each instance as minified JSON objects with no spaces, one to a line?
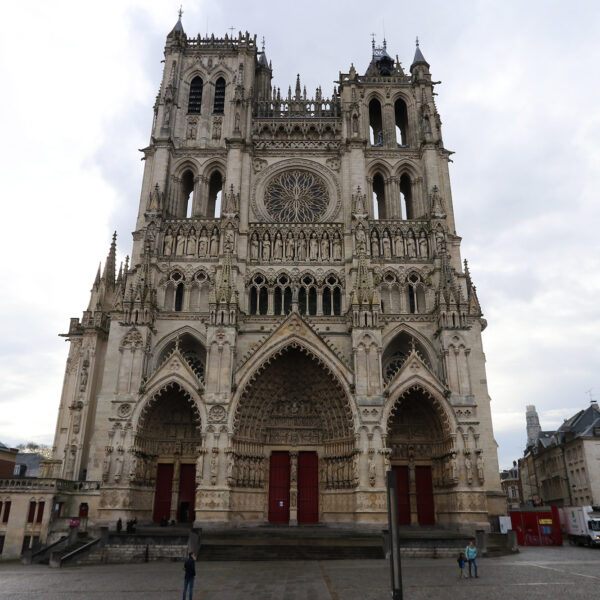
{"x":6,"y":514}
{"x":31,"y":513}
{"x":40,"y":512}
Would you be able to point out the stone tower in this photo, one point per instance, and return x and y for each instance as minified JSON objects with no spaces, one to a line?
{"x":296,"y":318}
{"x":533,"y":425}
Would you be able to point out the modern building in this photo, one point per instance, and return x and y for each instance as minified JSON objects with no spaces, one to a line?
{"x":562,"y":467}
{"x":296,"y":318}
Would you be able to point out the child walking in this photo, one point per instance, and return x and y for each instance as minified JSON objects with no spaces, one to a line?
{"x":461,"y":565}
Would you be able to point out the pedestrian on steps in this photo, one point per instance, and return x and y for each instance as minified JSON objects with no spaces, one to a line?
{"x":190,"y":573}
{"x":471,"y":554}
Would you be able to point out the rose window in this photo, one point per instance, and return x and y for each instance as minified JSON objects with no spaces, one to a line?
{"x":296,"y":197}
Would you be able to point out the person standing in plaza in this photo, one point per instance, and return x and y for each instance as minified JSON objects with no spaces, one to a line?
{"x":471,"y":555}
{"x":190,"y":573}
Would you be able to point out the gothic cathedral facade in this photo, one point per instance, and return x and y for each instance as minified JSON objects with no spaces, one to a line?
{"x":296,"y":319}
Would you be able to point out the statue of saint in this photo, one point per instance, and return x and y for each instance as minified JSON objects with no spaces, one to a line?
{"x":301,"y":247}
{"x":337,"y":247}
{"x":254,"y":247}
{"x":289,"y":246}
{"x":374,"y":244}
{"x":168,"y":243}
{"x":313,"y":247}
{"x":325,"y":247}
{"x":180,"y":244}
{"x":423,"y":251}
{"x":191,"y":242}
{"x":386,"y":245}
{"x":214,"y":243}
{"x":203,"y":243}
{"x":266,"y":247}
{"x":398,"y":245}
{"x":278,"y":247}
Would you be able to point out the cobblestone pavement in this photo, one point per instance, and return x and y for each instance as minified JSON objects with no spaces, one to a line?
{"x":532,"y":574}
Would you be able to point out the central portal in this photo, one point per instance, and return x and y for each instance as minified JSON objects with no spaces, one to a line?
{"x":295,"y":417}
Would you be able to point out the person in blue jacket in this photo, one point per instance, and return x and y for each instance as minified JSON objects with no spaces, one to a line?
{"x":471,"y":555}
{"x":190,"y":573}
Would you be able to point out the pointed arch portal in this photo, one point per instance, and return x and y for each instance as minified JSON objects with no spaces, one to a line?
{"x":295,"y":418}
{"x":421,"y":447}
{"x":166,"y":444}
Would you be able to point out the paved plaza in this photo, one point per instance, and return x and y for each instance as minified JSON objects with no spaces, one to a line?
{"x":534,"y":573}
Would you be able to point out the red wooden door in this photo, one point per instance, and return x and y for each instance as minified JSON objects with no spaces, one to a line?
{"x":403,"y":494}
{"x":308,"y":487}
{"x":424,"y":485}
{"x":162,"y":494}
{"x":279,"y":488}
{"x":187,"y":493}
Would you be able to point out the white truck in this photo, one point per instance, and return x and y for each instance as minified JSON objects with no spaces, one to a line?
{"x":581,"y":524}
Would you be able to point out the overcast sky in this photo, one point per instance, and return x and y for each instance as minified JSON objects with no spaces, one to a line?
{"x":519,"y":104}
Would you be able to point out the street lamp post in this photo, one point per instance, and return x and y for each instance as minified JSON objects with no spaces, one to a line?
{"x":392,"y":498}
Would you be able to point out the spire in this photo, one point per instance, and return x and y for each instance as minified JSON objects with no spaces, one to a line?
{"x":419,"y":59}
{"x":262,"y":57}
{"x":111,"y":262}
{"x":179,"y":24}
{"x":98,"y":276}
{"x":178,"y":29}
{"x":298,"y":90}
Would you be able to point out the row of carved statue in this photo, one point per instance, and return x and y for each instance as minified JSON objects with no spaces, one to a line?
{"x":399,"y":244}
{"x":202,"y":244}
{"x":301,"y":246}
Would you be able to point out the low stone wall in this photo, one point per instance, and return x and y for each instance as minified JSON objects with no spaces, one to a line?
{"x":134,"y":553}
{"x":431,"y":552}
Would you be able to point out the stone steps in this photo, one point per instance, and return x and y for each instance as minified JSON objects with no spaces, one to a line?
{"x":289,"y":544}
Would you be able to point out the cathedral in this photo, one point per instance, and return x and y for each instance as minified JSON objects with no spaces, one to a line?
{"x":295,"y":319}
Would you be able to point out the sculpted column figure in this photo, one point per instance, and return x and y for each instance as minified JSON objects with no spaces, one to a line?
{"x":266,"y":247}
{"x":301,"y":247}
{"x":314,"y":247}
{"x":278,"y":247}
{"x":254,"y":247}
{"x":289,"y":247}
{"x":203,"y":244}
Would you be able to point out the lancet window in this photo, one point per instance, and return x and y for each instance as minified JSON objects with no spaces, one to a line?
{"x":314,"y":298}
{"x":282,"y":296}
{"x":187,"y":195}
{"x":175,"y":292}
{"x":375,"y":123}
{"x":379,"y":206}
{"x":406,"y":196}
{"x":307,"y":296}
{"x":401,"y":117}
{"x":416,"y":294}
{"x":332,"y":296}
{"x":215,"y":191}
{"x":219,"y":103}
{"x":195,"y":98}
{"x":259,"y":296}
